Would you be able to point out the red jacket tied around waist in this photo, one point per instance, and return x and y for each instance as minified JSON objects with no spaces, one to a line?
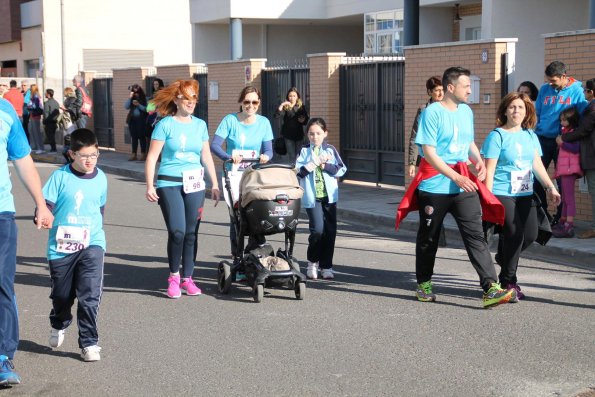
{"x":491,"y":208}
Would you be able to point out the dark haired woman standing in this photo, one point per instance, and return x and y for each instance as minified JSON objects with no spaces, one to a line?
{"x":295,"y":116}
{"x":136,"y":105}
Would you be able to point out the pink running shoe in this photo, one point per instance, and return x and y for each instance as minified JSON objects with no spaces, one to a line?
{"x":189,"y":287}
{"x":173,"y":289}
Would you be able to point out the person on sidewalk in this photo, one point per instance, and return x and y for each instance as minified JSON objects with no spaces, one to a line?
{"x":76,"y":194}
{"x":559,"y":93}
{"x":51,"y":111}
{"x":136,"y":104}
{"x":16,"y":99}
{"x":513,"y":158}
{"x":568,"y":170}
{"x":14,"y":147}
{"x":35,"y":108}
{"x":295,"y":116}
{"x":26,"y":98}
{"x":180,"y":191}
{"x":585,"y":134}
{"x":446,"y":140}
{"x":318,"y":166}
{"x":81,"y":117}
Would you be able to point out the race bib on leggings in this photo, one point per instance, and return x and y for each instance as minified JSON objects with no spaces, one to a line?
{"x":193,"y":180}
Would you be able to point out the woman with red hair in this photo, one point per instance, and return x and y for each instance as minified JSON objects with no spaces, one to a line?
{"x":182,"y":141}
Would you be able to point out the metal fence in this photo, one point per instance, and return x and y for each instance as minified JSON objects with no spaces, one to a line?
{"x":276,"y":81}
{"x":202,"y":107}
{"x":372,"y":120}
{"x":103,"y":115}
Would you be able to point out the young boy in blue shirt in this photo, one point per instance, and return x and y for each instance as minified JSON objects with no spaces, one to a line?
{"x":76,"y":195}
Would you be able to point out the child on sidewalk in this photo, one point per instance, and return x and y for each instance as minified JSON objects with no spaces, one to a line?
{"x":318,"y":165}
{"x":568,"y":169}
{"x":76,"y":195}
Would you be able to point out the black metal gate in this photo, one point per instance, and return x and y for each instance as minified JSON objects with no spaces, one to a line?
{"x":372,"y":121}
{"x":276,"y":83}
{"x":103,"y":113}
{"x":202,"y":107}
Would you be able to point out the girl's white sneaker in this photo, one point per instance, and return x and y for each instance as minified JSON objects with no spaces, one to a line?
{"x":312,"y":272}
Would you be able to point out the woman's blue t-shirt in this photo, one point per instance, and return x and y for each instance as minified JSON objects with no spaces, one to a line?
{"x":240,"y":136}
{"x":515,"y":152}
{"x":182,"y":147}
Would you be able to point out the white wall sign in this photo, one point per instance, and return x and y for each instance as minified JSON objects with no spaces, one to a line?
{"x":213,"y":90}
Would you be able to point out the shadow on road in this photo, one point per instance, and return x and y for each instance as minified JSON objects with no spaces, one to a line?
{"x":33,"y":347}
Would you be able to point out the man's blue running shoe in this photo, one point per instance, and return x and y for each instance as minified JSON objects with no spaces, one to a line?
{"x":7,"y":374}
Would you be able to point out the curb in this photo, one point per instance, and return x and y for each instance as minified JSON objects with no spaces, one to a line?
{"x":551,"y":254}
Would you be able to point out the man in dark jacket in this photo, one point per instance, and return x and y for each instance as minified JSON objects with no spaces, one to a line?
{"x":585,"y":133}
{"x":51,"y":111}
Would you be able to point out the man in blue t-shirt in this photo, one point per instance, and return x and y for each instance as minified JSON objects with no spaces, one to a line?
{"x":446,"y":139}
{"x":13,"y":146}
{"x":559,"y":93}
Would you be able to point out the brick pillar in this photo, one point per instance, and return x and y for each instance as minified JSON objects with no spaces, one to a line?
{"x":324,"y":91}
{"x":122,"y":79}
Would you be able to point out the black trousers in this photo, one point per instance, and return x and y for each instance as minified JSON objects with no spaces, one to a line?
{"x":322,"y":222}
{"x":518,"y":233}
{"x":80,"y":276}
{"x":466,"y":210}
{"x":50,"y":134}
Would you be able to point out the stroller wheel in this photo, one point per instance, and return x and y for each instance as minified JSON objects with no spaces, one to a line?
{"x":224,"y":278}
{"x":258,"y":292}
{"x":300,"y":291}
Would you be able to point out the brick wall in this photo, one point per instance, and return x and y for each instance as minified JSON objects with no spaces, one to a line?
{"x":324,"y":92}
{"x":10,"y":28}
{"x":122,"y":79}
{"x":575,"y":50}
{"x":169,"y":74}
{"x":231,"y":78}
{"x":426,"y":61}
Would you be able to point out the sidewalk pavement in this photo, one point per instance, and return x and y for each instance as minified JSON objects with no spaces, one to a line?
{"x":376,"y":205}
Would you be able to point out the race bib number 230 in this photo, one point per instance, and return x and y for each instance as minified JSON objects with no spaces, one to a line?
{"x":71,"y":239}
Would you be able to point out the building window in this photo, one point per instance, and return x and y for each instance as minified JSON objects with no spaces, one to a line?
{"x":32,"y":68}
{"x":383,"y":32}
{"x":473,"y":33}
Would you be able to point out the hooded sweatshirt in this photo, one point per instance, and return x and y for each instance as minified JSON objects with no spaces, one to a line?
{"x":551,"y":102}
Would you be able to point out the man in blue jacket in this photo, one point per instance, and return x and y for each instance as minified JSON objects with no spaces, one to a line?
{"x":559,"y":93}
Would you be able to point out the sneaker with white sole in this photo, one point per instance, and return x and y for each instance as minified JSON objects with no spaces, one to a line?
{"x":91,"y":353}
{"x":312,"y":272}
{"x":328,"y":274}
{"x":56,"y":337}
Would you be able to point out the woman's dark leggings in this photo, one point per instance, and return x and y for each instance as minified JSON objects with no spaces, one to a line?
{"x":182,"y":213}
{"x":519,"y":232}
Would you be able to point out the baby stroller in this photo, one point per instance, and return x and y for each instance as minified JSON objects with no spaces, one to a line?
{"x":269,"y":203}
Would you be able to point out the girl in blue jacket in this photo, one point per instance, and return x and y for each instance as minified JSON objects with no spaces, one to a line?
{"x":318,"y":165}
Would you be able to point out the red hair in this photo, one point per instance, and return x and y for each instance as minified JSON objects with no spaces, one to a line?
{"x":164,"y":98}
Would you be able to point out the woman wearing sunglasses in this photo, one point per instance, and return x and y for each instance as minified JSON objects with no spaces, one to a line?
{"x":247,"y":135}
{"x":182,"y":140}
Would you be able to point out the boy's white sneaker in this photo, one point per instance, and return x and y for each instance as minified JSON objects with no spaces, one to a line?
{"x":91,"y":353}
{"x":56,"y":337}
{"x":328,"y":274}
{"x":312,"y":272}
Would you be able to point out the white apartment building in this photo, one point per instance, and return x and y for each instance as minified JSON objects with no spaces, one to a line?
{"x":284,"y":30}
{"x":55,"y":39}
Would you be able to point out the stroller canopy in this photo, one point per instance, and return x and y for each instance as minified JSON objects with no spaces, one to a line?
{"x":267,"y":183}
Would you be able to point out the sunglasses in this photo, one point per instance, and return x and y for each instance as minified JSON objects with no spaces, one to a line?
{"x":192,"y":97}
{"x":254,"y":103}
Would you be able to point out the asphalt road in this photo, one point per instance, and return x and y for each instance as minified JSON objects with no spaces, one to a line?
{"x":362,"y":334}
